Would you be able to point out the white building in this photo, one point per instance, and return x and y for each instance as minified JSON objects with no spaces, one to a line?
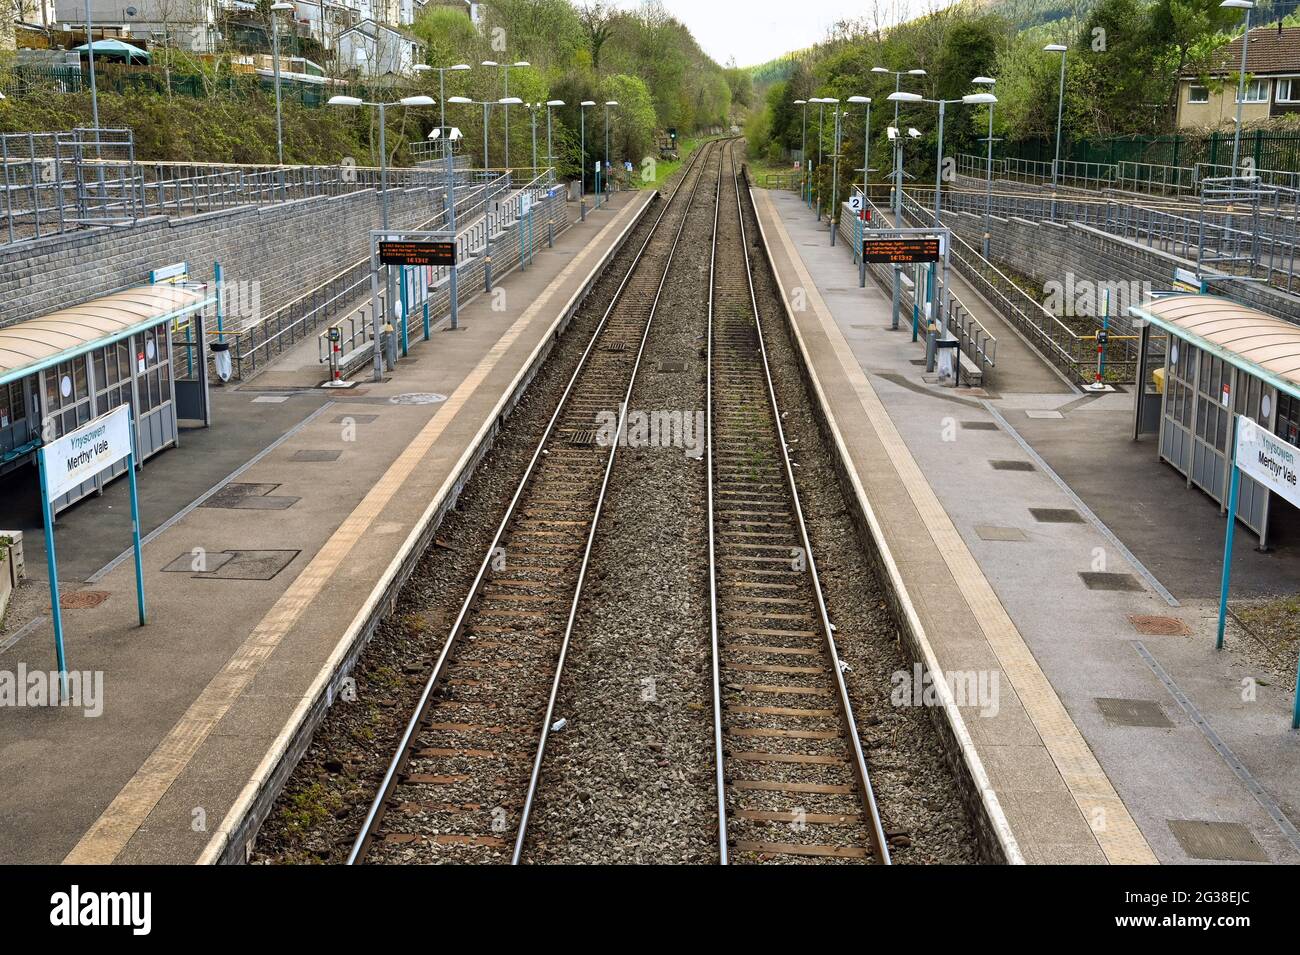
{"x":376,"y":50}
{"x":187,"y":24}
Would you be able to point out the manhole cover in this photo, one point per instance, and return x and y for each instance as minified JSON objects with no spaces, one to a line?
{"x":672,"y":366}
{"x":1012,"y":465}
{"x":994,"y":532}
{"x":1133,"y":712}
{"x":615,"y":346}
{"x":417,"y":398}
{"x":354,"y":418}
{"x":314,"y":455}
{"x":82,"y":599}
{"x":1217,"y":841}
{"x":1157,"y":626}
{"x":251,"y":565}
{"x":584,"y":438}
{"x":979,"y":426}
{"x":252,"y":497}
{"x":1056,"y":515}
{"x":1095,"y":580}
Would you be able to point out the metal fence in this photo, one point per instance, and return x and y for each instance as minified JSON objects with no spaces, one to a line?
{"x":1071,"y":350}
{"x":1256,"y":238}
{"x":1267,"y":149}
{"x":975,"y":340}
{"x":63,"y":181}
{"x":258,"y":342}
{"x":502,"y":238}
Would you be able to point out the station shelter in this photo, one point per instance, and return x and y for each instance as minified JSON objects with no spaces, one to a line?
{"x":141,"y":347}
{"x":1220,"y":359}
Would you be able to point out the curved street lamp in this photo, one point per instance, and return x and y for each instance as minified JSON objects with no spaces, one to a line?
{"x":442,"y":84}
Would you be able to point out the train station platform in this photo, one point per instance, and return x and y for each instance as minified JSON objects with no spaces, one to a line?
{"x":1037,"y":543}
{"x":274,"y":542}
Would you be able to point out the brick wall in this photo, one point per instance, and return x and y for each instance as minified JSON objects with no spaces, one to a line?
{"x":288,"y":248}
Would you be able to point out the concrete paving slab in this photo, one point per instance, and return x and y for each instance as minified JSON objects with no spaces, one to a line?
{"x":1141,"y":527}
{"x":200,"y":704}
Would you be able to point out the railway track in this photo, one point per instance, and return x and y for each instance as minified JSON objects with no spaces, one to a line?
{"x":792,"y":781}
{"x":461,"y":785}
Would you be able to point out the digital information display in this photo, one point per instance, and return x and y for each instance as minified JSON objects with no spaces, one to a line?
{"x":902,"y":251}
{"x":417,"y":253}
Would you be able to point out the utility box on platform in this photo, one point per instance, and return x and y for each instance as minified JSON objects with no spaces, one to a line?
{"x":11,"y":550}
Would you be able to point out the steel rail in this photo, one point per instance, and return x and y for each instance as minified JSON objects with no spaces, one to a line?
{"x":402,"y":754}
{"x":534,"y":778}
{"x":846,"y":707}
{"x":715,"y":665}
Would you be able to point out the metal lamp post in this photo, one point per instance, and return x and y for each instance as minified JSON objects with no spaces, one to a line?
{"x":506,"y":102}
{"x":276,"y":8}
{"x":1246,"y":5}
{"x":449,"y":136}
{"x":821,"y":121}
{"x":896,"y":137}
{"x":506,"y":99}
{"x":803,"y":153}
{"x":442,"y":72}
{"x":582,"y":164}
{"x":532,"y":109}
{"x":1060,"y":109}
{"x":866,"y":144}
{"x":90,"y":56}
{"x":971,"y":99}
{"x":377,"y":331}
{"x":835,"y":169}
{"x":988,"y":179}
{"x":608,"y":104}
{"x":898,"y":82}
{"x":550,"y":155}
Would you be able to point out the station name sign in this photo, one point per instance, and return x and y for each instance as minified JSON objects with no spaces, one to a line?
{"x":79,"y":455}
{"x":902,"y":251}
{"x":1269,"y":460}
{"x":393,"y":252}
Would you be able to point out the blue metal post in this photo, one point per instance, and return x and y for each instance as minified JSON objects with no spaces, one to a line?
{"x":426,"y":306}
{"x":216,"y":274}
{"x":52,"y":568}
{"x":404,"y":295}
{"x":135,"y":525}
{"x":1227,"y":542}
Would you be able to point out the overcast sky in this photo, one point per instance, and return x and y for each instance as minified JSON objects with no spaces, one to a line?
{"x":755,"y":31}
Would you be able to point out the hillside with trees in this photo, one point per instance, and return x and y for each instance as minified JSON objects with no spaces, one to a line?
{"x":187,"y":107}
{"x":1124,"y":57}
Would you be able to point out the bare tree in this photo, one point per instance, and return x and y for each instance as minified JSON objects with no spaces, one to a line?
{"x":8,"y":14}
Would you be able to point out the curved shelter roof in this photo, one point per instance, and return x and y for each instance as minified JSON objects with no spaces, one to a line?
{"x":27,"y":347}
{"x":1258,"y":343}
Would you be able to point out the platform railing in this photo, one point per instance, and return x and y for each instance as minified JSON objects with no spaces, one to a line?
{"x":1072,"y":351}
{"x":497,"y":241}
{"x":256,"y":343}
{"x":52,"y":183}
{"x":976,"y":341}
